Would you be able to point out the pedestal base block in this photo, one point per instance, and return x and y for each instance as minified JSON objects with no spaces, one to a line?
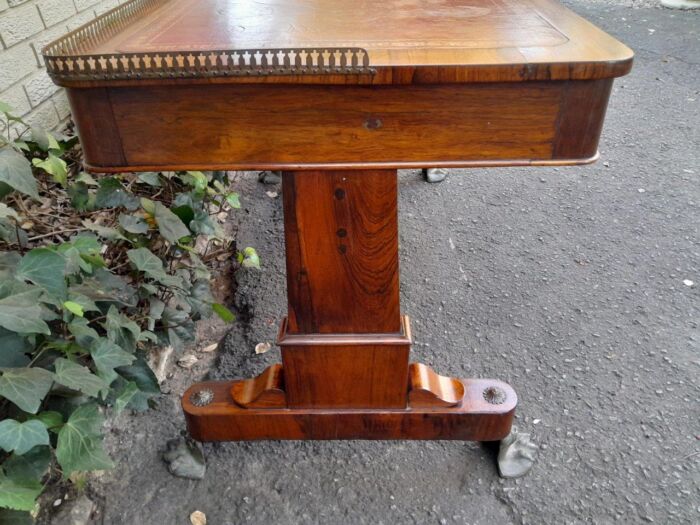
{"x":485,"y":414}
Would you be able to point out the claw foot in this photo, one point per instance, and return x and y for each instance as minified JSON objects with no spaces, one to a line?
{"x":516,"y":455}
{"x":435,"y":174}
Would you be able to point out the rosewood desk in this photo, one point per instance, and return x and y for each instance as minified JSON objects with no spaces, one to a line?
{"x":338,"y":95}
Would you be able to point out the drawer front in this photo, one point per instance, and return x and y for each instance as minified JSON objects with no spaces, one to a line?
{"x":243,"y":126}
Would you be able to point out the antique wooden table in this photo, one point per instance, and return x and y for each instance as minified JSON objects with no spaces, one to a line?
{"x":339,"y":94}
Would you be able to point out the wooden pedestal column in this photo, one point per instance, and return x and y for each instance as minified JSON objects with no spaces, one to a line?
{"x":343,"y":345}
{"x":345,"y":370}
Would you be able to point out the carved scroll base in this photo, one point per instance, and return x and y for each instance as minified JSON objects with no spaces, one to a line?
{"x":480,"y":416}
{"x":263,"y":391}
{"x":427,"y":389}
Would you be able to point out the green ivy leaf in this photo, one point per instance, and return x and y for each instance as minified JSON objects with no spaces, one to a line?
{"x":141,"y":374}
{"x":18,"y":495}
{"x":79,"y":445}
{"x":179,"y":326}
{"x":86,"y":178}
{"x":5,"y":190}
{"x":25,"y":387}
{"x":26,"y":472}
{"x":169,"y":224}
{"x":8,"y":264}
{"x":199,"y":268}
{"x":11,"y":234}
{"x":84,"y":334}
{"x":86,"y":243}
{"x":233,"y":200}
{"x":147,"y":335}
{"x":13,"y":349}
{"x":125,"y":397}
{"x":55,"y":166}
{"x":85,"y":303}
{"x":105,"y":286}
{"x":148,"y":289}
{"x":78,"y":377}
{"x":50,"y":418}
{"x":173,"y":281}
{"x":197,"y":180}
{"x":223,"y":312}
{"x":145,"y":261}
{"x":7,"y":212}
{"x":20,"y":312}
{"x":249,"y":258}
{"x":150,"y":177}
{"x":107,"y":357}
{"x":202,"y":224}
{"x":121,"y":330}
{"x":106,"y":232}
{"x":29,"y":467}
{"x":74,"y":262}
{"x":45,"y":140}
{"x":184,"y":212}
{"x":200,"y":298}
{"x":74,"y":308}
{"x":15,"y":517}
{"x":155,"y":311}
{"x":79,"y":196}
{"x":148,"y":205}
{"x":16,"y":172}
{"x":133,"y":223}
{"x":22,"y":437}
{"x":44,"y":268}
{"x":112,"y":194}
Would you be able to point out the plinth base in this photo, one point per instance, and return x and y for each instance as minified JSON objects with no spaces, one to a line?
{"x":485,"y":414}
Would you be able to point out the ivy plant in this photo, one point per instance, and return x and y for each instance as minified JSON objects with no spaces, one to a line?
{"x":94,"y":271}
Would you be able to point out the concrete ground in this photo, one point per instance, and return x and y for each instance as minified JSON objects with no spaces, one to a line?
{"x":572,"y":284}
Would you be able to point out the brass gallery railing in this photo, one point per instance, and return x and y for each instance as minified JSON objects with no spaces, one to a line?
{"x":71,"y":56}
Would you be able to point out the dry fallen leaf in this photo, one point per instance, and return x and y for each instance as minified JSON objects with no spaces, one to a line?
{"x":198,"y":518}
{"x":261,"y":348}
{"x":160,"y":362}
{"x":187,"y":361}
{"x":209,"y":348}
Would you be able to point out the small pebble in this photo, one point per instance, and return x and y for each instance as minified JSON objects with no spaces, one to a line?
{"x":261,"y":348}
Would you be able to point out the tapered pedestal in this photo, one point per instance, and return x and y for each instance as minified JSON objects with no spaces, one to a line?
{"x":345,"y":371}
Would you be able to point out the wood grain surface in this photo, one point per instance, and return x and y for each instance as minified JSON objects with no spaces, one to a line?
{"x":464,"y":40}
{"x":341,"y":240}
{"x":428,"y":389}
{"x":263,"y":391}
{"x":346,"y":370}
{"x":473,"y":420}
{"x":291,"y":127}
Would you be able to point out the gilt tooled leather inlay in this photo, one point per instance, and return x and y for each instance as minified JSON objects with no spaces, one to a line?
{"x":404,"y":24}
{"x":205,"y":38}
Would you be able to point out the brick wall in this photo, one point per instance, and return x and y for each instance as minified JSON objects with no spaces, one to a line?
{"x":25,"y":27}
